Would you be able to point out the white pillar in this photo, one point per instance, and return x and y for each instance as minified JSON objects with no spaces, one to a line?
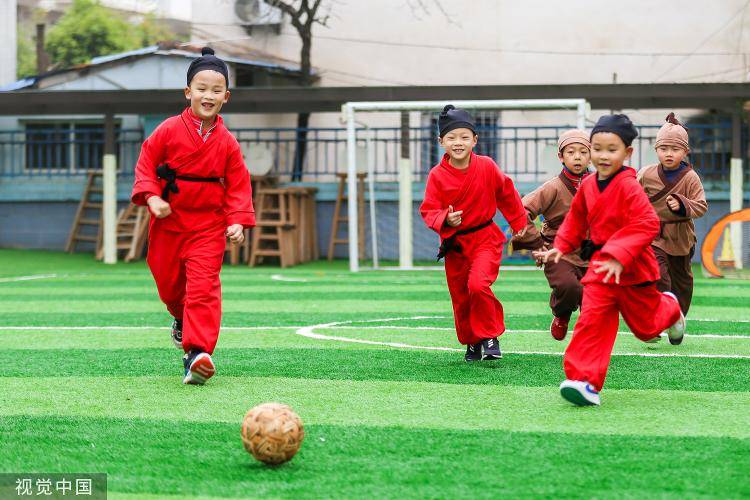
{"x":735,"y":203}
{"x":109,"y":208}
{"x":351,"y":204}
{"x":405,"y":205}
{"x":8,"y":41}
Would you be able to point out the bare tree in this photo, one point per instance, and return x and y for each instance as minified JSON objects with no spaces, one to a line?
{"x":303,"y":14}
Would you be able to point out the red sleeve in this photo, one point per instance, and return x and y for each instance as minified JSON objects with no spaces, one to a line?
{"x":574,"y":226}
{"x":146,"y":183}
{"x":432,"y":209}
{"x":640,"y":229}
{"x":509,"y":201}
{"x":238,"y":196}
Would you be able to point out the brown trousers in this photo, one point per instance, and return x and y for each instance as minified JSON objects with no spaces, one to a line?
{"x":676,"y":276}
{"x":565,"y":281}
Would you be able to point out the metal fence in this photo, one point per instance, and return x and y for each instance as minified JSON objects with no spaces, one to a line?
{"x":526,"y":153}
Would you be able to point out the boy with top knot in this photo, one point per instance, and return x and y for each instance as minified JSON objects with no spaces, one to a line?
{"x":193,"y":179}
{"x":463,"y":194}
{"x":676,"y":193}
{"x":552,"y":200}
{"x":621,"y":279}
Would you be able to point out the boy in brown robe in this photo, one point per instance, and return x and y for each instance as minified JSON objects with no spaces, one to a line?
{"x":552,"y":200}
{"x":676,"y":193}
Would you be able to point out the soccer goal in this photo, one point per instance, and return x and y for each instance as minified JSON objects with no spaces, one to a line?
{"x":394,"y":145}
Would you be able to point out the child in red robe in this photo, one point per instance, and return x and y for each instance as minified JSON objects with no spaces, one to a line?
{"x":193,"y":179}
{"x":463,"y":193}
{"x":622,"y":276}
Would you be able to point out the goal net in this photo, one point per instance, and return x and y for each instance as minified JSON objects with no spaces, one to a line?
{"x":393,"y":146}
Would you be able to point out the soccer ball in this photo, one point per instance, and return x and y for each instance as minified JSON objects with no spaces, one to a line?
{"x":272,"y":433}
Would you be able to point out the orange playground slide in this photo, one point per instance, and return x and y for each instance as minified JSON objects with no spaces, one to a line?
{"x":714,"y":236}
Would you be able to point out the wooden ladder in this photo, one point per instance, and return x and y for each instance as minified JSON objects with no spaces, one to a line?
{"x":273,"y":235}
{"x":88,"y":215}
{"x":132,"y":233}
{"x":339,"y":219}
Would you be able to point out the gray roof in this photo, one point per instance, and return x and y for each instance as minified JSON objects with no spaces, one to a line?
{"x":153,"y":50}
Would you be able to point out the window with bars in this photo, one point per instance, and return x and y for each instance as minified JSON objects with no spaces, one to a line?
{"x":66,"y":146}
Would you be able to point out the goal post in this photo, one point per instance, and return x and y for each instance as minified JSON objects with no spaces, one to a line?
{"x":405,"y":163}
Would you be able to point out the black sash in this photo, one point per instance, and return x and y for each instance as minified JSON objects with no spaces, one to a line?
{"x":449,"y":244}
{"x":170,"y":175}
{"x":588,"y":248}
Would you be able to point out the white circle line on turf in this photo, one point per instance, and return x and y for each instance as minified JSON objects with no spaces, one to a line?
{"x":446,"y":329}
{"x":27,"y":278}
{"x":309,"y":332}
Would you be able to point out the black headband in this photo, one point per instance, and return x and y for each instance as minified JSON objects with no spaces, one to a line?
{"x":207,"y":61}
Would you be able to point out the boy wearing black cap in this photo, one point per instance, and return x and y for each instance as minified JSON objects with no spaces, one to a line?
{"x":193,"y":179}
{"x":463,"y":193}
{"x":623,"y":269}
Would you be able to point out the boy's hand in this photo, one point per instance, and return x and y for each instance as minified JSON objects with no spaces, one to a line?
{"x":454,"y":218}
{"x":611,"y":266}
{"x":552,"y":254}
{"x":158,"y":207}
{"x":236,"y":233}
{"x":673,"y":203}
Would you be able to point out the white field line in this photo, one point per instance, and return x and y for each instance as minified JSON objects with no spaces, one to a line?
{"x":27,"y":278}
{"x":309,"y":332}
{"x":279,"y":277}
{"x":129,"y":328}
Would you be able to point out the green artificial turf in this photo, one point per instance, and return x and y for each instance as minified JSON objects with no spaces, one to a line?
{"x":91,"y":382}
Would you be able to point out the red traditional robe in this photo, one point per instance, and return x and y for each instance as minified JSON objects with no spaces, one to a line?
{"x":622,"y":220}
{"x":479,"y":190}
{"x":186,"y":248}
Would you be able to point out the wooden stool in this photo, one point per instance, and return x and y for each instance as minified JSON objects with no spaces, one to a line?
{"x":338,"y":218}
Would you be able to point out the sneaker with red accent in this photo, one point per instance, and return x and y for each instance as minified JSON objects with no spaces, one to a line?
{"x":198,"y":367}
{"x":559,"y":328}
{"x":177,"y":333}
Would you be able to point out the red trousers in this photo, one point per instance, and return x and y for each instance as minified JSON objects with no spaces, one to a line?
{"x":646,"y":311}
{"x":186,"y":267}
{"x":476,"y":311}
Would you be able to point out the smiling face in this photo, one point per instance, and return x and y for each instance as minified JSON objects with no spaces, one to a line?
{"x":576,"y":157}
{"x":458,"y":143}
{"x":608,"y":153}
{"x":670,"y":156}
{"x":207,"y":94}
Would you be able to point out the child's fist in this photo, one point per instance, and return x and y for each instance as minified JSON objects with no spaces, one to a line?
{"x":454,"y":218}
{"x":673,"y":203}
{"x":236,"y":233}
{"x":159,"y":207}
{"x":553,"y":254}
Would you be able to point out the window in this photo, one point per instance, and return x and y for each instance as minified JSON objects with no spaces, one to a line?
{"x":47,"y":146}
{"x":71,"y":146}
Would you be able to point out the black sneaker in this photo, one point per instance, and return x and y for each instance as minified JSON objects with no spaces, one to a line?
{"x":177,"y":333}
{"x":491,"y":349}
{"x":473,"y":352}
{"x":199,"y":367}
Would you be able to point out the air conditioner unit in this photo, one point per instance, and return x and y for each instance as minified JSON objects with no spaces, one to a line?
{"x":255,"y":13}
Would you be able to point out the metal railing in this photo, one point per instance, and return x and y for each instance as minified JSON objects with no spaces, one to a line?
{"x":527,"y":153}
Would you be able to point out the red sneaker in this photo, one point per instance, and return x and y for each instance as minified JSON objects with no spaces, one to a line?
{"x":559,"y":328}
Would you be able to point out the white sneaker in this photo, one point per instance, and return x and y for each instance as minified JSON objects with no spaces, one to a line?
{"x":579,"y":393}
{"x":676,"y":332}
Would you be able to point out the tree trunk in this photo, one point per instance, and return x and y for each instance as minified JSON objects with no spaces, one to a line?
{"x":303,"y":119}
